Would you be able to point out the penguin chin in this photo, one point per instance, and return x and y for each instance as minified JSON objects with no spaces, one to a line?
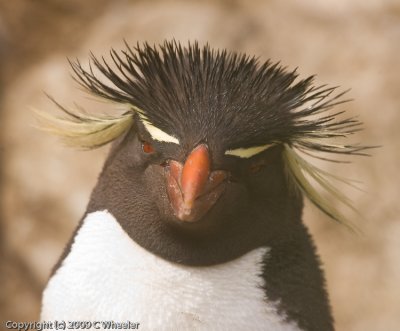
{"x":207,"y":226}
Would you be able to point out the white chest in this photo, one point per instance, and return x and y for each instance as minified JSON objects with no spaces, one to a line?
{"x":107,"y":276}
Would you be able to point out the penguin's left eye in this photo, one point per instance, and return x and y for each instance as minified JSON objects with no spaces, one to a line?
{"x":256,"y":167}
{"x":147,"y":147}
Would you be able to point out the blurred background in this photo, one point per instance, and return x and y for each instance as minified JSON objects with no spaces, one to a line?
{"x":45,"y":186}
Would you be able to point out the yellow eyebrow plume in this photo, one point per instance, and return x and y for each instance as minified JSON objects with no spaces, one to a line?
{"x":246,"y":153}
{"x":156,"y":133}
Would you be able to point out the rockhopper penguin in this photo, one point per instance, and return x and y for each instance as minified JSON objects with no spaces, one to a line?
{"x":195,"y":222}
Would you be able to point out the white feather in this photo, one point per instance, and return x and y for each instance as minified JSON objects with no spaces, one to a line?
{"x":107,"y":276}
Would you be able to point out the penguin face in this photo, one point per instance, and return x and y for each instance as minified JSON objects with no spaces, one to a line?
{"x":194,"y":187}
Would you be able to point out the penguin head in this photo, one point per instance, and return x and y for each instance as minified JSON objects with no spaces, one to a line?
{"x":209,"y":145}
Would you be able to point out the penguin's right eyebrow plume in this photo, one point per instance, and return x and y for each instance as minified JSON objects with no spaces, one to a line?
{"x":196,"y":218}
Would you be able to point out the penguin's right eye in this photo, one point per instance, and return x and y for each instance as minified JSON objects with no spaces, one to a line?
{"x":147,"y":147}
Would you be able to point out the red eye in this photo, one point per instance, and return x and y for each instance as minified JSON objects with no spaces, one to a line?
{"x":147,"y":148}
{"x":257,"y":166}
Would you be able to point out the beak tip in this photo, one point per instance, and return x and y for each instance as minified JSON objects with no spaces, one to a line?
{"x":186,"y":210}
{"x":188,"y":205}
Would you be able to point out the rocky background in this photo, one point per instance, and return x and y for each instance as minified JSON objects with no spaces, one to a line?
{"x":45,"y":186}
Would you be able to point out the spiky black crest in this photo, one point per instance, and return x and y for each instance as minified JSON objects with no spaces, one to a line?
{"x":226,"y":99}
{"x":242,"y":102}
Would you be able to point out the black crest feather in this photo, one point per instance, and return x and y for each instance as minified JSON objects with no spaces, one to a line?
{"x":181,"y":88}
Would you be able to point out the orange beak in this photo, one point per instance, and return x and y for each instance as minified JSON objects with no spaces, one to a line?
{"x":192,"y":188}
